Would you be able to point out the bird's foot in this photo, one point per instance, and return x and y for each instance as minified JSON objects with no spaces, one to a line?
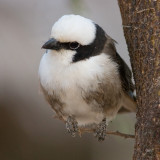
{"x":100,"y":131}
{"x":72,"y":126}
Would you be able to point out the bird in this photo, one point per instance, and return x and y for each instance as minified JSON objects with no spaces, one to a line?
{"x":82,"y":76}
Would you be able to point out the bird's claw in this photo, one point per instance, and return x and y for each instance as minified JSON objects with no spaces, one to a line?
{"x":72,"y":126}
{"x":100,"y":131}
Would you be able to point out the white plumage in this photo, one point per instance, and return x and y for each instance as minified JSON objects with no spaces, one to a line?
{"x":59,"y":75}
{"x":70,"y":28}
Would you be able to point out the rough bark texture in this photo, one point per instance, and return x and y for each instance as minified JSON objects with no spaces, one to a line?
{"x":141,"y":24}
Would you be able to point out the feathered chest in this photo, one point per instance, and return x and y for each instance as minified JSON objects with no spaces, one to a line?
{"x":58,"y":73}
{"x":72,"y":82}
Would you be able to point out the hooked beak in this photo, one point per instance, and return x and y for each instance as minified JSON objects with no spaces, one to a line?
{"x":51,"y":44}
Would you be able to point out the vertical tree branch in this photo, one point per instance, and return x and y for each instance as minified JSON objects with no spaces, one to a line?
{"x":141,"y":24}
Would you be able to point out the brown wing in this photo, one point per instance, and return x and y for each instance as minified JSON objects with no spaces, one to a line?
{"x":124,"y":73}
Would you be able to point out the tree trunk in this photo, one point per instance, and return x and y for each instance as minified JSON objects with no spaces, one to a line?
{"x":141,"y":24}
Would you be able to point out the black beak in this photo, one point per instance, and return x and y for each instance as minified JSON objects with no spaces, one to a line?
{"x":51,"y":44}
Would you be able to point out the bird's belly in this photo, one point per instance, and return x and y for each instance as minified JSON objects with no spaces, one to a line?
{"x":68,"y":80}
{"x":84,"y":113}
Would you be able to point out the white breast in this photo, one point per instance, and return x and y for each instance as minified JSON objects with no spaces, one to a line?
{"x":67,"y":79}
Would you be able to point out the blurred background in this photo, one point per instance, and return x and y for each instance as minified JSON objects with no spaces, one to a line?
{"x":28,"y":130}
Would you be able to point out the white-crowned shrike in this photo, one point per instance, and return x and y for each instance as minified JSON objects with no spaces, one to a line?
{"x":83,"y":77}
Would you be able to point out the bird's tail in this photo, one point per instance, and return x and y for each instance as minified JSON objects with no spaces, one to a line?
{"x":128,"y":104}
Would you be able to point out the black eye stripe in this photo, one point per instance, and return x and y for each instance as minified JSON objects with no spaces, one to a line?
{"x":69,"y":45}
{"x":74,"y":45}
{"x":93,"y":49}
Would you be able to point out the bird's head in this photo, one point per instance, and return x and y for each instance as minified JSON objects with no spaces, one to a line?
{"x":77,"y":36}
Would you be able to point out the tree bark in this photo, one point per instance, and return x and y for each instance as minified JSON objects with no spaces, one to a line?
{"x":141,"y":25}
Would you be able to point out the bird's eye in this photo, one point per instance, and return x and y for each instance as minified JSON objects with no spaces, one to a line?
{"x":74,"y":45}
